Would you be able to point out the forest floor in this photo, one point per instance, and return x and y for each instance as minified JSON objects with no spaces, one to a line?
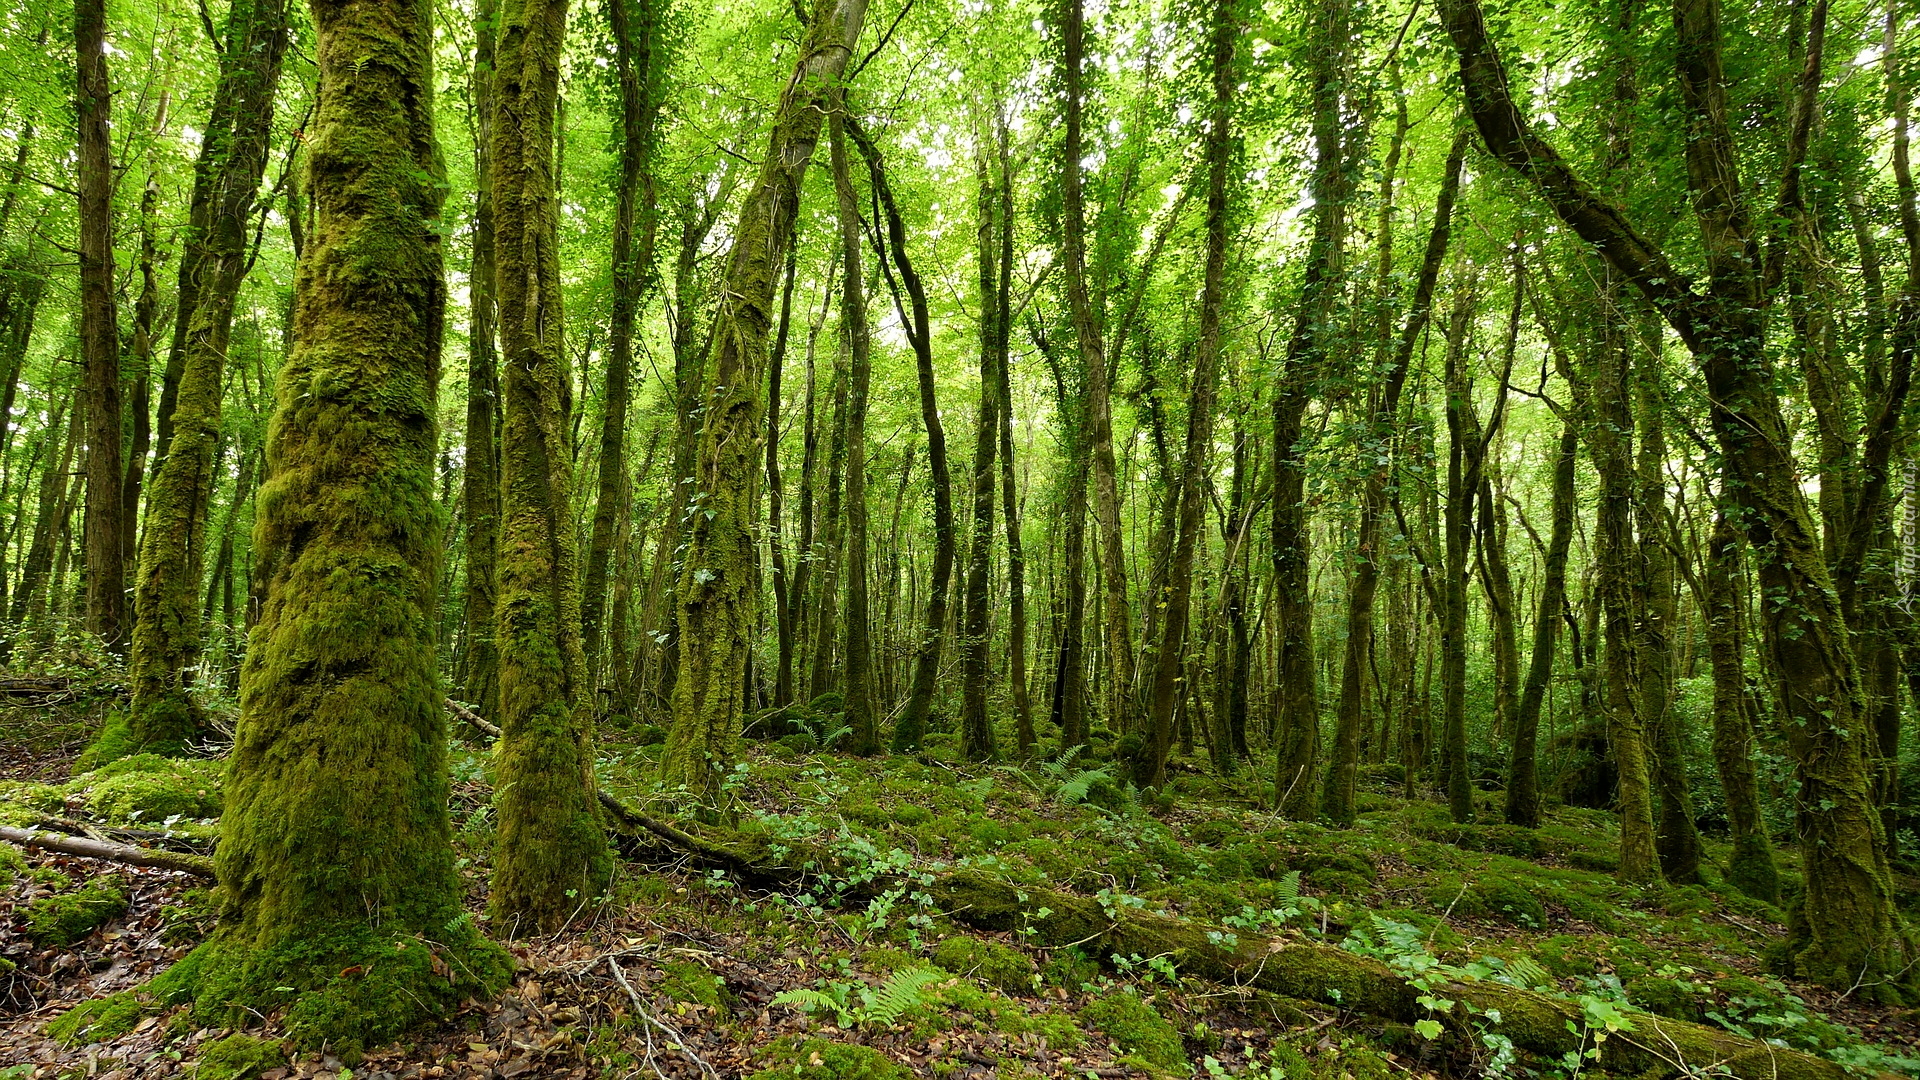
{"x":681,"y":972}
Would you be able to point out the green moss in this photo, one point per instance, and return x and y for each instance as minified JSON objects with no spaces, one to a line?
{"x":695,"y":985}
{"x":13,"y":863}
{"x":997,"y":965}
{"x":64,"y":918}
{"x":238,"y":1057}
{"x":1138,"y":1030}
{"x":99,"y":1020}
{"x":151,"y":788}
{"x":1676,"y":999}
{"x":824,"y":1060}
{"x":114,"y":741}
{"x":348,"y":989}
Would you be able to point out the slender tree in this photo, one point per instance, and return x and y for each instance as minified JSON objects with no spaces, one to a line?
{"x":553,"y":850}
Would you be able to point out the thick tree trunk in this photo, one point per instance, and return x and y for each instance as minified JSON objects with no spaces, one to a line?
{"x":233,"y":155}
{"x":552,"y":850}
{"x":335,"y":850}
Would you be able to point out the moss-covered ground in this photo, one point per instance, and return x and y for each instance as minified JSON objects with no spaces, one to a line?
{"x":858,"y":972}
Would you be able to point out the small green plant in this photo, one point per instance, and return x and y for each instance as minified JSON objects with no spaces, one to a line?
{"x":859,"y":1005}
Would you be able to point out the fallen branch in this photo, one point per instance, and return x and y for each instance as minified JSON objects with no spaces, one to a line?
{"x":90,"y":848}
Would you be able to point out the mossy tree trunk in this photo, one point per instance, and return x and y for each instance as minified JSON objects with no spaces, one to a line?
{"x":340,"y":902}
{"x":1150,"y":767}
{"x":99,"y":330}
{"x":910,"y":303}
{"x":1096,"y":394}
{"x":1523,"y":768}
{"x":1314,"y":335}
{"x":1751,"y":867}
{"x":976,"y":669}
{"x":636,"y":38}
{"x":1010,"y":505}
{"x":480,"y":475}
{"x":233,"y":155}
{"x":552,"y":852}
{"x":1848,"y":931}
{"x":716,"y":593}
{"x":1343,"y":766}
{"x":861,"y":706}
{"x":1464,"y":450}
{"x":1676,"y":837}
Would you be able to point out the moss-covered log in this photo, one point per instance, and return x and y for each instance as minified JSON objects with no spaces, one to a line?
{"x":1294,"y":968}
{"x":88,"y":847}
{"x":340,"y":904}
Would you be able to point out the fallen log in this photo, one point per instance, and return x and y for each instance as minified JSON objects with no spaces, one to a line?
{"x":90,"y":848}
{"x":1647,"y":1046}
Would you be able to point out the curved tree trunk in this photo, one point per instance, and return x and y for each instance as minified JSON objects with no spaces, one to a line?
{"x":233,"y":155}
{"x":715,"y":593}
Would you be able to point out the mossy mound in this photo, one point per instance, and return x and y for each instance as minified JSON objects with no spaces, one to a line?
{"x":694,"y":985}
{"x":238,"y":1057}
{"x":99,"y":1020}
{"x":347,"y":989}
{"x":151,"y":788}
{"x":1138,"y":1030}
{"x":997,"y":965}
{"x":67,"y":917}
{"x":13,"y":863}
{"x":821,"y":1059}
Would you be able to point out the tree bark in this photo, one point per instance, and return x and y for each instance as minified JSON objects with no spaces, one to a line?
{"x":335,"y":849}
{"x":99,"y":332}
{"x":552,"y":848}
{"x":233,"y":155}
{"x":715,"y":593}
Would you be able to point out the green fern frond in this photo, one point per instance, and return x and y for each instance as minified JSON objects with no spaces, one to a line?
{"x":903,"y":993}
{"x":1076,"y":790}
{"x":812,"y":1001}
{"x":1288,"y":887}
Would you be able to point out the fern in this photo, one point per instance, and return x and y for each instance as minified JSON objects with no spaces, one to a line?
{"x":1057,"y":768}
{"x":881,"y":1007}
{"x":811,"y":1001}
{"x":1080,"y":785}
{"x":1288,"y":888}
{"x":903,"y":993}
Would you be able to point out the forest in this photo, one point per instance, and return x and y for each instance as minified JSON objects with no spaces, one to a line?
{"x":959,"y":538}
